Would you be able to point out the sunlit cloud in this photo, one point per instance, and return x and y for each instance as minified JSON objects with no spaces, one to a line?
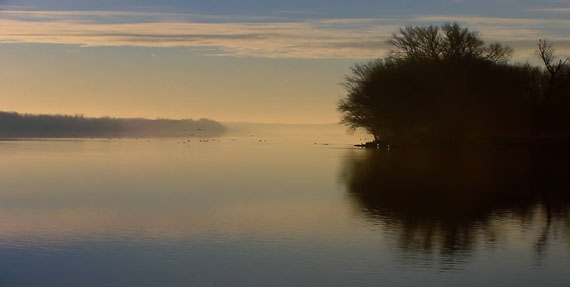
{"x":272,"y":37}
{"x":264,"y":39}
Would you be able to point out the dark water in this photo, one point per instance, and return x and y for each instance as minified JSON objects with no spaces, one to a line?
{"x":280,"y":213}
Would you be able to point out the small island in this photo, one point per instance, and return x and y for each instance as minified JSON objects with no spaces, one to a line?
{"x":445,"y":86}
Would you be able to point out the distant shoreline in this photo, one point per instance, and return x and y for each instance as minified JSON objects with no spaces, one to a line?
{"x":15,"y":125}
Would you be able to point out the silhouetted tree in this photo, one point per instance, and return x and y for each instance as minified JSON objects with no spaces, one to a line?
{"x":446,"y":42}
{"x":445,"y":84}
{"x":557,"y":70}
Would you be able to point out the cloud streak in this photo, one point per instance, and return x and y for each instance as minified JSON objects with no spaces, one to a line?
{"x":520,"y":33}
{"x":357,"y":38}
{"x":554,"y":10}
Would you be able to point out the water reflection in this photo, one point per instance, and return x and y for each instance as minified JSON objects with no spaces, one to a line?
{"x":444,"y":205}
{"x":245,"y":213}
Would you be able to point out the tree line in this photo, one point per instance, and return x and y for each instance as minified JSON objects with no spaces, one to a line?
{"x":52,"y":126}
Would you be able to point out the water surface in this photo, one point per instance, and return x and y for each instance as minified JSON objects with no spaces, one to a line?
{"x":301,"y":211}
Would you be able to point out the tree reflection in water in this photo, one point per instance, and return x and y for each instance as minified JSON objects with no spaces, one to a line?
{"x":446,"y":203}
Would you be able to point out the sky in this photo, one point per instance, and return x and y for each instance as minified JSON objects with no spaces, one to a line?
{"x":271,"y":61}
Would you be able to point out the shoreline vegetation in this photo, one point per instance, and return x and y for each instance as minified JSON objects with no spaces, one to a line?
{"x":15,"y":125}
{"x":443,"y":86}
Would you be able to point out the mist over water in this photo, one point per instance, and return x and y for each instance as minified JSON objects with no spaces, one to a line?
{"x":295,"y":208}
{"x":331,"y":133}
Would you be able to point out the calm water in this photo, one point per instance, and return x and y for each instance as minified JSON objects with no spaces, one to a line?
{"x":279,"y":213}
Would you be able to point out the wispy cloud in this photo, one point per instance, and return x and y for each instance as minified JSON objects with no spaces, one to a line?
{"x":553,"y":10}
{"x":495,"y":20}
{"x":520,"y":33}
{"x":313,"y":39}
{"x":243,"y":36}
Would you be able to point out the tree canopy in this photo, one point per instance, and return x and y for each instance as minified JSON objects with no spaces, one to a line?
{"x":445,"y":83}
{"x":444,"y":43}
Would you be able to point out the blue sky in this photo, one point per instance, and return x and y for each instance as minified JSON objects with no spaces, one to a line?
{"x":321,"y":8}
{"x":307,"y":44}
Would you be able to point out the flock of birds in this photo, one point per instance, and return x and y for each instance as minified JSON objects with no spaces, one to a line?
{"x":207,"y":140}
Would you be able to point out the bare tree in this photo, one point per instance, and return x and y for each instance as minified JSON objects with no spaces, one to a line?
{"x":446,"y":42}
{"x":417,"y":43}
{"x":546,"y":52}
